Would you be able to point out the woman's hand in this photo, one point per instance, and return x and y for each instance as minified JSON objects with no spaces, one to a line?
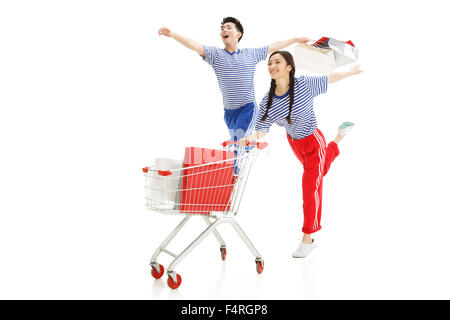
{"x":257,"y":135}
{"x":336,"y":76}
{"x":245,"y":141}
{"x":355,"y":69}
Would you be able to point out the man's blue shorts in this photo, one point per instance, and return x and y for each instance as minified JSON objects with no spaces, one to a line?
{"x":241,"y":121}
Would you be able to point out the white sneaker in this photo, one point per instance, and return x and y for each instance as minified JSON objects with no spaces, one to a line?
{"x":345,"y":128}
{"x":303,"y":250}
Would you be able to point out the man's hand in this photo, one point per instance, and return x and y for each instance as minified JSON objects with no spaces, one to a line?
{"x":279,"y":45}
{"x":302,"y":40}
{"x":165,"y":32}
{"x":187,"y":42}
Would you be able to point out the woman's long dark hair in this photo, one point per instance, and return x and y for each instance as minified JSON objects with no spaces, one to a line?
{"x":290,"y":61}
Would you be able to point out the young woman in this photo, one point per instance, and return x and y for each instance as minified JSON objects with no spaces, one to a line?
{"x":289,"y":103}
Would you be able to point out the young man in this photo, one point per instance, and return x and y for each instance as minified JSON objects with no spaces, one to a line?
{"x":235,"y":70}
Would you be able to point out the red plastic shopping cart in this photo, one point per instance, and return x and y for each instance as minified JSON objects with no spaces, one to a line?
{"x":210,"y":184}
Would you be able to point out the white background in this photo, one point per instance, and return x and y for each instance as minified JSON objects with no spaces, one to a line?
{"x":89,"y":94}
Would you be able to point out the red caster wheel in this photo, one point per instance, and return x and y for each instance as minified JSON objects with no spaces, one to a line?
{"x":172,"y":283}
{"x":223,"y":253}
{"x":155,"y":273}
{"x":259,"y":266}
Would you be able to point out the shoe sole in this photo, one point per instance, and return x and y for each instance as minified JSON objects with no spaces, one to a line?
{"x":346,"y":125}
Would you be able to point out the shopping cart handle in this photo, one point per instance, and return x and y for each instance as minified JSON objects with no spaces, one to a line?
{"x":160,"y":172}
{"x":259,"y":145}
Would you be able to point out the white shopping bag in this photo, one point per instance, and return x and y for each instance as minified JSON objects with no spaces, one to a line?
{"x":165,"y":192}
{"x":318,"y":60}
{"x":344,"y":52}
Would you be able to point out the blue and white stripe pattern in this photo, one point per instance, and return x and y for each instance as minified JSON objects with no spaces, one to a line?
{"x":235,"y":73}
{"x":302,"y":116}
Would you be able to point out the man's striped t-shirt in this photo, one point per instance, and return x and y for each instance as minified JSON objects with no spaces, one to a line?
{"x":235,"y":73}
{"x":302,"y":116}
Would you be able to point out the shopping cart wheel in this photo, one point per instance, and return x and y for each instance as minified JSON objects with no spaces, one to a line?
{"x":223,"y":253}
{"x":155,"y":273}
{"x":172,"y":283}
{"x":260,"y":266}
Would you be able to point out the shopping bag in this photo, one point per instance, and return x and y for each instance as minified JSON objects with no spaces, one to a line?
{"x":206,"y":186}
{"x":314,"y":59}
{"x":166,"y":187}
{"x":344,"y":52}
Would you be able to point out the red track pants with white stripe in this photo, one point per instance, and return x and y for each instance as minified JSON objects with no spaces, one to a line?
{"x":316,"y":158}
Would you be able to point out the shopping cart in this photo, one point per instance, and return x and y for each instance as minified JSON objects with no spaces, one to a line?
{"x":212,"y":191}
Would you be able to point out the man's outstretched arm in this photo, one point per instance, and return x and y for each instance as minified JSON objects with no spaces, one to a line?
{"x":187,"y":42}
{"x":285,"y":43}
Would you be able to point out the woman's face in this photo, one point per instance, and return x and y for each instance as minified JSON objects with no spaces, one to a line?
{"x":278,"y":67}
